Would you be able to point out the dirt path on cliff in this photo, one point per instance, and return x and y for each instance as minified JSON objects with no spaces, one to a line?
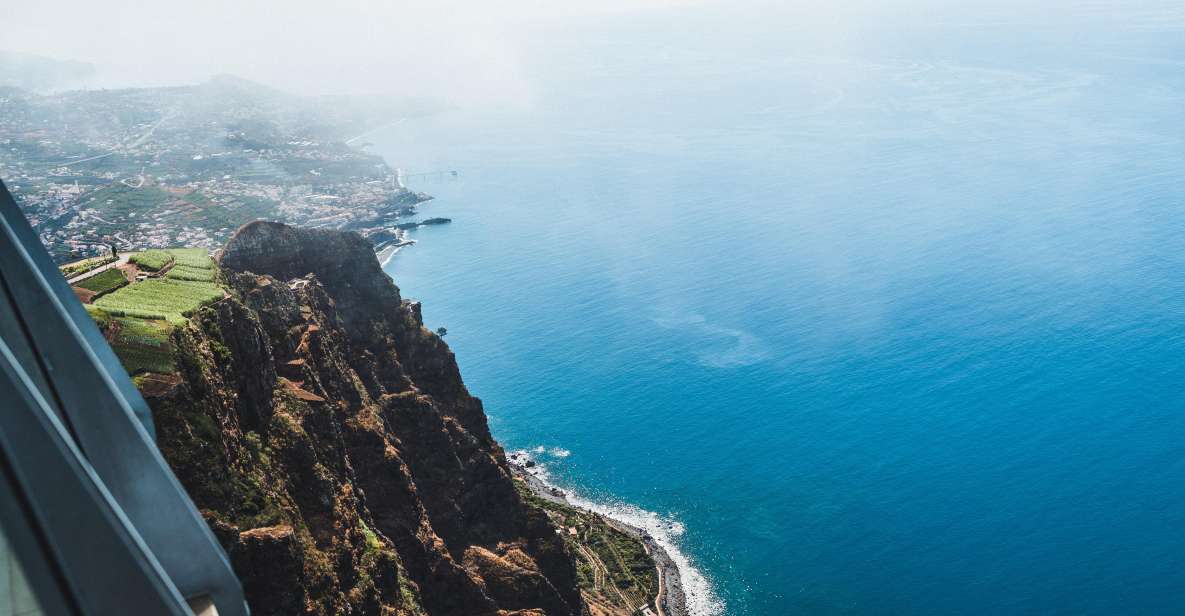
{"x":669,"y":599}
{"x":602,"y":577}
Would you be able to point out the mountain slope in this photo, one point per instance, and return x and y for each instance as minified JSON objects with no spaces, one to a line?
{"x":327,"y":437}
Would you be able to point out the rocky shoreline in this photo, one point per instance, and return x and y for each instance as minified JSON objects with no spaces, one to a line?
{"x":670,"y":601}
{"x":388,"y":241}
{"x":386,"y":249}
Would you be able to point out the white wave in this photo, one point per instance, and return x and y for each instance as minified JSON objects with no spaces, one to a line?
{"x":385,"y":255}
{"x":540,"y":450}
{"x":700,"y":597}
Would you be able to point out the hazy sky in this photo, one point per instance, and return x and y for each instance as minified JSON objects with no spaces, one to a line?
{"x":461,"y":50}
{"x":454,"y":49}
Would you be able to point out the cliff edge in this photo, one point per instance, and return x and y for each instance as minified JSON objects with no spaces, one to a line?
{"x":327,"y":437}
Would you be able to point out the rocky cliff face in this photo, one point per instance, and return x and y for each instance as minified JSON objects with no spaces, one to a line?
{"x":327,"y":437}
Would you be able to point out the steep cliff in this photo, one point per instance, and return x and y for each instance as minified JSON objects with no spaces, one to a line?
{"x":327,"y":437}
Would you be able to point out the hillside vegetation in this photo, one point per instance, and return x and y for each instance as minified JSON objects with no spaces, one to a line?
{"x":104,"y":282}
{"x":139,"y":318}
{"x":192,"y":264}
{"x":327,"y":437}
{"x":614,"y":572}
{"x":76,"y":268}
{"x":142,"y":345}
{"x":171,"y":300}
{"x":152,"y":260}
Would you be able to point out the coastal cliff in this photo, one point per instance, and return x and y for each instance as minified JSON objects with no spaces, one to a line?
{"x":328,"y":439}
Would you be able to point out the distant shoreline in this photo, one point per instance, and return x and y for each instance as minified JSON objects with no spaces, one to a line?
{"x":671,"y":600}
{"x":386,"y":250}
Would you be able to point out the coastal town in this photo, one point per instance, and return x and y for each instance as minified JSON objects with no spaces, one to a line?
{"x":148,"y":168}
{"x":148,"y":199}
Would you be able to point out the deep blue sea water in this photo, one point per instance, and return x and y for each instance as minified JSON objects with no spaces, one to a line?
{"x":886,"y":313}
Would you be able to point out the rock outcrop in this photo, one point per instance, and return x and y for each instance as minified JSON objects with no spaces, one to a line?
{"x":328,"y":439}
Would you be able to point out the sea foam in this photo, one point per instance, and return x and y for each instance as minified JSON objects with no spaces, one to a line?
{"x":701,"y":598}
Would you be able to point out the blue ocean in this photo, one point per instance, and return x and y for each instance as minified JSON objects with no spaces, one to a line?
{"x":880,"y":312}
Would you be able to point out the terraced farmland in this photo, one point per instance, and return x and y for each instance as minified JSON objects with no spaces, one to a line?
{"x":196,"y":274}
{"x":153,"y":260}
{"x":191,"y":264}
{"x":156,"y":298}
{"x":192,"y":257}
{"x":104,"y":282}
{"x":143,"y":345}
{"x":139,"y":318}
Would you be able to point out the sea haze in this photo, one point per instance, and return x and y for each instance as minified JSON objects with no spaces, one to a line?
{"x":885,"y":319}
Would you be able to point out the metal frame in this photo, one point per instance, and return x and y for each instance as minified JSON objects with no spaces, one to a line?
{"x":77,"y":440}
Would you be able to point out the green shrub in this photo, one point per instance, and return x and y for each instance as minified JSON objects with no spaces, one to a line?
{"x":373,"y":543}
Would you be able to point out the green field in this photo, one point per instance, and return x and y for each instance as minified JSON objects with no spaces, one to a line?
{"x":143,"y":345}
{"x":191,"y":264}
{"x":104,"y":282}
{"x":192,"y":257}
{"x":152,"y":260}
{"x":139,"y":318}
{"x":158,"y":298}
{"x":185,"y":272}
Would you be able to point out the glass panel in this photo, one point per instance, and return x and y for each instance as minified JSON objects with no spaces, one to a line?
{"x":16,"y":597}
